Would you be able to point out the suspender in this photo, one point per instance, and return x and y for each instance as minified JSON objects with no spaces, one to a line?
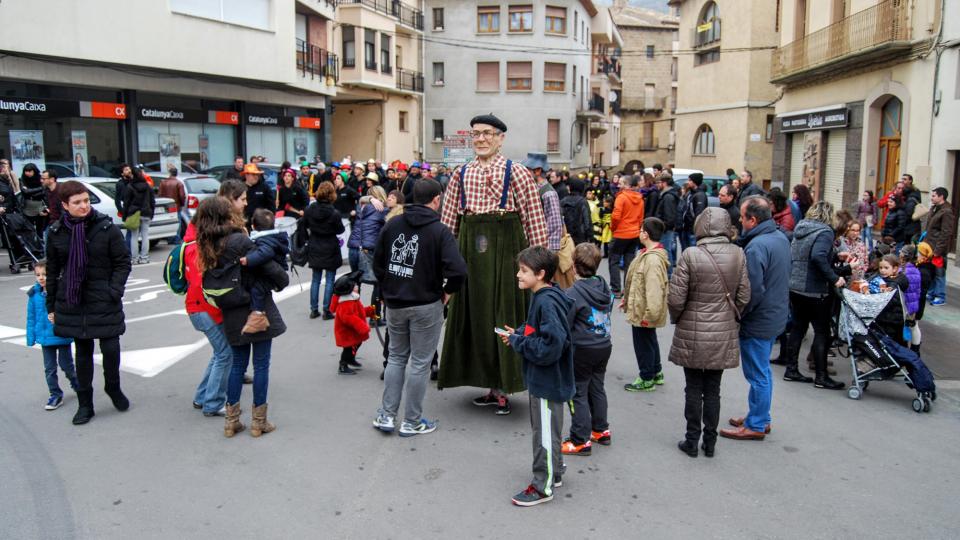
{"x":503,"y":196}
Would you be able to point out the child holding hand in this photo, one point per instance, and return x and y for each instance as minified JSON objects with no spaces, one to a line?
{"x":56,"y":350}
{"x":350,"y":326}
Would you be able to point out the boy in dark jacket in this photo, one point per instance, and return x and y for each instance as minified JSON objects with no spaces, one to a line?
{"x":590,"y":333}
{"x":271,"y":245}
{"x":545,"y":345}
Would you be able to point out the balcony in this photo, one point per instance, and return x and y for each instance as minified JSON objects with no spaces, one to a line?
{"x":875,"y":35}
{"x":609,"y":67}
{"x":315,"y":62}
{"x":411,"y":81}
{"x":393,"y":8}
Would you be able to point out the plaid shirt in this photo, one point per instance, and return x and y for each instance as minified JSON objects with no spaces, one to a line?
{"x":484,"y":187}
{"x":551,"y":212}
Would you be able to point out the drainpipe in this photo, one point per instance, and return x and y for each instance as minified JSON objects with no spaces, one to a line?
{"x":421,"y":99}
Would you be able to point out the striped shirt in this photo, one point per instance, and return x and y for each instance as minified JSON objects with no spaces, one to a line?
{"x":483,"y":186}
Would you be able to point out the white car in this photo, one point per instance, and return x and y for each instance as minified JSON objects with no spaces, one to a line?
{"x":164,"y":225}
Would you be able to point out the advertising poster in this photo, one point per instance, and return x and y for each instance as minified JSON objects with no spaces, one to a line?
{"x":457,"y":148}
{"x":300,"y":148}
{"x":170,"y":151}
{"x":78,"y":146}
{"x":26,"y":147}
{"x":204,"y":144}
{"x":813,"y":162}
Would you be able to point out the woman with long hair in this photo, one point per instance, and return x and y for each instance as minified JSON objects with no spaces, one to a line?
{"x":234,"y":191}
{"x":222,"y":241}
{"x":782,"y":214}
{"x":803,"y":198}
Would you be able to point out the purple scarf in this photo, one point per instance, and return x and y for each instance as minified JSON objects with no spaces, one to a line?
{"x":77,"y":257}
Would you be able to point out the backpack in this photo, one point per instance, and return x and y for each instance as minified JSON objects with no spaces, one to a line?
{"x":223,"y":287}
{"x":573,"y":218}
{"x":685,"y":215}
{"x":298,"y":251}
{"x":174,"y":272}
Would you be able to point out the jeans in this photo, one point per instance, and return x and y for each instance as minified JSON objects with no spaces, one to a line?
{"x":647,"y":349}
{"x":702,"y":406}
{"x":353,"y":257}
{"x":261,"y":371}
{"x":621,"y":247}
{"x":212,"y":391}
{"x":414,"y":336}
{"x":144,"y":235}
{"x":590,"y":402}
{"x":315,"y":289}
{"x":669,"y":241}
{"x":687,"y":239}
{"x":809,"y":310}
{"x":755,"y":361}
{"x":110,"y":349}
{"x":939,"y":287}
{"x":866,"y":235}
{"x":546,"y":419}
{"x":62,"y":355}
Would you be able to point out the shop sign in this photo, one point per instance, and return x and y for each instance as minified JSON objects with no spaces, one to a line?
{"x":165,"y":114}
{"x":223,"y":117}
{"x":306,"y":122}
{"x":56,"y":107}
{"x":829,"y":119}
{"x":102,"y":109}
{"x":267,"y":120}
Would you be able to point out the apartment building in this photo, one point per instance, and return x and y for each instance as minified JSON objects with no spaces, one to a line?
{"x":206,"y":79}
{"x":651,"y":41}
{"x":378,"y":107}
{"x":532,"y":65}
{"x":725,"y":101}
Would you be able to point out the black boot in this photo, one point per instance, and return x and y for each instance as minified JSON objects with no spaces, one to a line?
{"x":119,"y":400}
{"x":708,"y":448}
{"x":314,"y":314}
{"x":687,"y":447}
{"x":793,"y":374}
{"x":824,"y":381}
{"x":85,"y":408}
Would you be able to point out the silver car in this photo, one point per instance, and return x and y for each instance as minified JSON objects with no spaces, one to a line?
{"x":198,"y":188}
{"x":164,"y":225}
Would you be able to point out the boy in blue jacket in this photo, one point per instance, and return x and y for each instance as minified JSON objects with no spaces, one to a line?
{"x":40,"y":330}
{"x":546,"y":347}
{"x":271,"y":245}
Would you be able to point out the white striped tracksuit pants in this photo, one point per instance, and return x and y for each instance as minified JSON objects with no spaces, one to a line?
{"x":546,"y":419}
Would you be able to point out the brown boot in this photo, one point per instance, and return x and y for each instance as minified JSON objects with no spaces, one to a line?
{"x":232,"y":424}
{"x":260,"y":425}
{"x":256,"y":322}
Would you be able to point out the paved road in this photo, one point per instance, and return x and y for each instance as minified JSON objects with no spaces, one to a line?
{"x":832,"y":468}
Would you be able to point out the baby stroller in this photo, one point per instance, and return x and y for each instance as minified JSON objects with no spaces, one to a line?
{"x":874,"y":356}
{"x":17,"y":229}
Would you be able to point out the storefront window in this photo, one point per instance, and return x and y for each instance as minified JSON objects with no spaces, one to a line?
{"x":58,"y":141}
{"x":201,"y":146}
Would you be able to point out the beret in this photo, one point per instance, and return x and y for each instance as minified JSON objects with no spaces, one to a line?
{"x":490,"y":120}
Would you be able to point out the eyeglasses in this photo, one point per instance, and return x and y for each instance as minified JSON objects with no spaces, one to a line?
{"x":486,"y":134}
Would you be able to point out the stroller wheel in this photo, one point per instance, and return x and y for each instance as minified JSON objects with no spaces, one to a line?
{"x":853,"y":392}
{"x":917,"y":405}
{"x":926,"y":404}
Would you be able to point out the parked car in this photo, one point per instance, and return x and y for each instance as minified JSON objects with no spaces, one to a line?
{"x":270,"y":172}
{"x":65,"y":169}
{"x":154,"y":168}
{"x":198,"y":188}
{"x":165,"y":224}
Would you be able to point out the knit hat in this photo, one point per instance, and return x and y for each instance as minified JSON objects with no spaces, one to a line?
{"x":925,"y":250}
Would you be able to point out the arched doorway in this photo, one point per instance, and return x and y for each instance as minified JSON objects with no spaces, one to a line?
{"x":888,"y":165}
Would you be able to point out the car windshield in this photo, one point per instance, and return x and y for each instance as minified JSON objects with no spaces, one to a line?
{"x":108,"y":188}
{"x":202,"y":185}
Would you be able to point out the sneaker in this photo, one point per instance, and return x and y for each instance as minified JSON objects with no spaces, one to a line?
{"x":557,"y":480}
{"x":345,"y":370}
{"x":658,"y":379}
{"x":531,"y":497}
{"x":197,"y":405}
{"x":938,"y":302}
{"x":422,"y":428}
{"x":384,"y":423}
{"x":53,"y":403}
{"x":601,"y":437}
{"x":571,"y":448}
{"x":487,"y":399}
{"x":221,"y":412}
{"x":640,"y":385}
{"x":503,"y":405}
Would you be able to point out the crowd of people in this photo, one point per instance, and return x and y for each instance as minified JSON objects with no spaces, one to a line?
{"x":502,"y":259}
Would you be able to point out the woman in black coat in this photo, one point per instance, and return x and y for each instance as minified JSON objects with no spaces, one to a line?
{"x":138,"y":196}
{"x":221,"y":242}
{"x":291,"y":197}
{"x":323,"y":223}
{"x":87,"y":268}
{"x":895,"y":224}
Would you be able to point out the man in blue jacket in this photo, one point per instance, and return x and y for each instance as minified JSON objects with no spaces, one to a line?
{"x":768,"y":265}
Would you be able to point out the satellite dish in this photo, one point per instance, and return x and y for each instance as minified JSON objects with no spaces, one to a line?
{"x":612,"y":97}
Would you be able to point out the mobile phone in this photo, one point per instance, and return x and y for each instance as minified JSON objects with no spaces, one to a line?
{"x":501,"y":331}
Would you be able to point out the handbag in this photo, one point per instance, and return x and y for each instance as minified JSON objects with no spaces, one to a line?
{"x":726,"y":290}
{"x":919,"y":211}
{"x":132,"y":222}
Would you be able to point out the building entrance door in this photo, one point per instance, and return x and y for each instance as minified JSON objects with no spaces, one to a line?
{"x":889,"y":155}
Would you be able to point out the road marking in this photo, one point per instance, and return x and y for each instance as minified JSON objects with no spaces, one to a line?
{"x":9,"y":331}
{"x":144,"y":288}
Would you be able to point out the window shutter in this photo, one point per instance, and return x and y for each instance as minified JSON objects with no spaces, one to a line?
{"x":554,"y":72}
{"x":519,"y":70}
{"x":556,"y":12}
{"x":488,"y":76}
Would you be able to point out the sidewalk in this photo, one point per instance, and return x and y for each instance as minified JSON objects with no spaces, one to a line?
{"x":941,"y":336}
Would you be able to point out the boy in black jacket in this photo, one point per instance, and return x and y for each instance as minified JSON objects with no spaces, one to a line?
{"x":271,"y":245}
{"x":546,"y":346}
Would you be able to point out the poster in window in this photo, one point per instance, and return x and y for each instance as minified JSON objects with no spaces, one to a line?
{"x":170,"y":151}
{"x":26,"y":147}
{"x":300,"y":148}
{"x":78,"y":149}
{"x":204,"y":144}
{"x":813,"y":162}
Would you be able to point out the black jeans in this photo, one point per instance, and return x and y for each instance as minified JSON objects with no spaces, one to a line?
{"x":647,"y":349}
{"x":807,"y":310}
{"x":348,"y":355}
{"x":110,"y":349}
{"x":590,"y":401}
{"x":703,"y":404}
{"x":621,"y":247}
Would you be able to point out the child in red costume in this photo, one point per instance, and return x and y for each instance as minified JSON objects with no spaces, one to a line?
{"x":350,"y":326}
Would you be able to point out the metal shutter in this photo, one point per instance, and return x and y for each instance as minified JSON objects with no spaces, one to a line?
{"x":796,"y":159}
{"x":833,"y":171}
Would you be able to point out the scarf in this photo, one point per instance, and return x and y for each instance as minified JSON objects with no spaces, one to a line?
{"x":77,"y":257}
